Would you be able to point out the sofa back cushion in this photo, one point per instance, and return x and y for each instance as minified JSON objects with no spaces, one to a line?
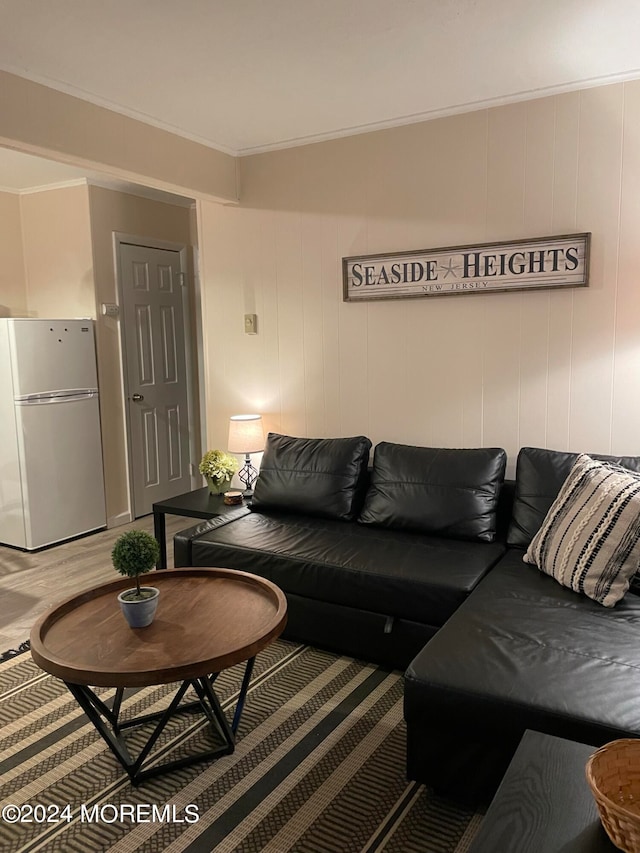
{"x":540,"y":475}
{"x":318,"y":476}
{"x":448,"y":492}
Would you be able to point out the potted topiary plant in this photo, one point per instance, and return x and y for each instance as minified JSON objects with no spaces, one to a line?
{"x":135,"y":553}
{"x":218,"y":469}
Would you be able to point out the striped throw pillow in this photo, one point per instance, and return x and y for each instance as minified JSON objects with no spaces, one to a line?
{"x":590,"y":538}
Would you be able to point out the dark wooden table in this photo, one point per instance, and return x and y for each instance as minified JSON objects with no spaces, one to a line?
{"x":196,"y":504}
{"x":544,"y":804}
{"x":207,"y":620}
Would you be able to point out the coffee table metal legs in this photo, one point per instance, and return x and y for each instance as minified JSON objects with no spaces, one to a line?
{"x":108,"y":724}
{"x":242,"y":695}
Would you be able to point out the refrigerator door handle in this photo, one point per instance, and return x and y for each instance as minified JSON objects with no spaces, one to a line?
{"x":56,"y":397}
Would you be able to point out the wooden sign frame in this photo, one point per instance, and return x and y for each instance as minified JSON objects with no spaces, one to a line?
{"x":540,"y":262}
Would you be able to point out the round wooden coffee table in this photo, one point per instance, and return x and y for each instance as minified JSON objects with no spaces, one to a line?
{"x":207,"y":620}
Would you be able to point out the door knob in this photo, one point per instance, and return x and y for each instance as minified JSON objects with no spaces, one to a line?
{"x":137,"y":397}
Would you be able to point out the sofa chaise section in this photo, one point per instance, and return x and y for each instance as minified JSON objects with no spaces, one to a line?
{"x":522,"y":652}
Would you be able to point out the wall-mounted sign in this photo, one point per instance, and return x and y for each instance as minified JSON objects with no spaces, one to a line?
{"x":561,"y":261}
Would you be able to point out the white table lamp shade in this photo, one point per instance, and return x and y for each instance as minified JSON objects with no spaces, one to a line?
{"x":246,"y":434}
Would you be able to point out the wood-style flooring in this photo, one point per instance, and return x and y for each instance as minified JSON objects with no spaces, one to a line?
{"x":30,"y":582}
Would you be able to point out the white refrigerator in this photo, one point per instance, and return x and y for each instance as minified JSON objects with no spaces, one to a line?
{"x":51,"y":475}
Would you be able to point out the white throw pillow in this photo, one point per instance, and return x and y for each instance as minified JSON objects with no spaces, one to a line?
{"x":590,"y":538}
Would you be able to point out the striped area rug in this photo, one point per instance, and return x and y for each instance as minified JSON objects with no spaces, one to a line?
{"x":318,"y":768}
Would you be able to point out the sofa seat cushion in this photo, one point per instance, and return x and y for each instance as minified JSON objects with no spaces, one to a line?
{"x":396,"y":573}
{"x":524,"y":652}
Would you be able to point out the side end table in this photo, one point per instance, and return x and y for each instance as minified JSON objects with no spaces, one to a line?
{"x":196,"y":504}
{"x":544,"y":802}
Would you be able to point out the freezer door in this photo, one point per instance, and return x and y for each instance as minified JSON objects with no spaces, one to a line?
{"x":61,"y":462}
{"x":51,"y":355}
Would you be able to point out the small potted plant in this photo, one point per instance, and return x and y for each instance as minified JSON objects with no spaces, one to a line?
{"x":135,"y":553}
{"x":218,"y":469}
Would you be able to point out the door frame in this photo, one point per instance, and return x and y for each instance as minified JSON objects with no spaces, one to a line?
{"x":120,"y":238}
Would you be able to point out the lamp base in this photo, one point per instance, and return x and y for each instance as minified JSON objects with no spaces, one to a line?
{"x":247,"y":476}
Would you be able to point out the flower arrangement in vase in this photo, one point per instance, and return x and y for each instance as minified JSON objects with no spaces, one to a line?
{"x":218,"y":469}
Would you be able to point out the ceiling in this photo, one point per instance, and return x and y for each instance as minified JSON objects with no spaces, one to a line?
{"x":245,"y":76}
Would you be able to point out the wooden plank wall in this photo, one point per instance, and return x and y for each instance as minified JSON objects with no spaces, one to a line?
{"x":556,"y":369}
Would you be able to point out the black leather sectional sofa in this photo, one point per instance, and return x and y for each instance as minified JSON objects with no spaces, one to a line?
{"x":417,"y":563}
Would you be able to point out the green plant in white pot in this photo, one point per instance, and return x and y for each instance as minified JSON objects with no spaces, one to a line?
{"x":218,"y":469}
{"x":135,"y":553}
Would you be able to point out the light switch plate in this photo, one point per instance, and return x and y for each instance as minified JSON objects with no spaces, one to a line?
{"x":251,"y":324}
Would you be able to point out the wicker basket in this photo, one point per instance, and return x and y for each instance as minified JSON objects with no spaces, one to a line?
{"x":613,"y":774}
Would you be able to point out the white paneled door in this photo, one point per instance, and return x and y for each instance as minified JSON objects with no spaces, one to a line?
{"x":156,"y":373}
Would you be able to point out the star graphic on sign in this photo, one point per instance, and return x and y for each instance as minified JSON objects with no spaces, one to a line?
{"x":450,"y":268}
